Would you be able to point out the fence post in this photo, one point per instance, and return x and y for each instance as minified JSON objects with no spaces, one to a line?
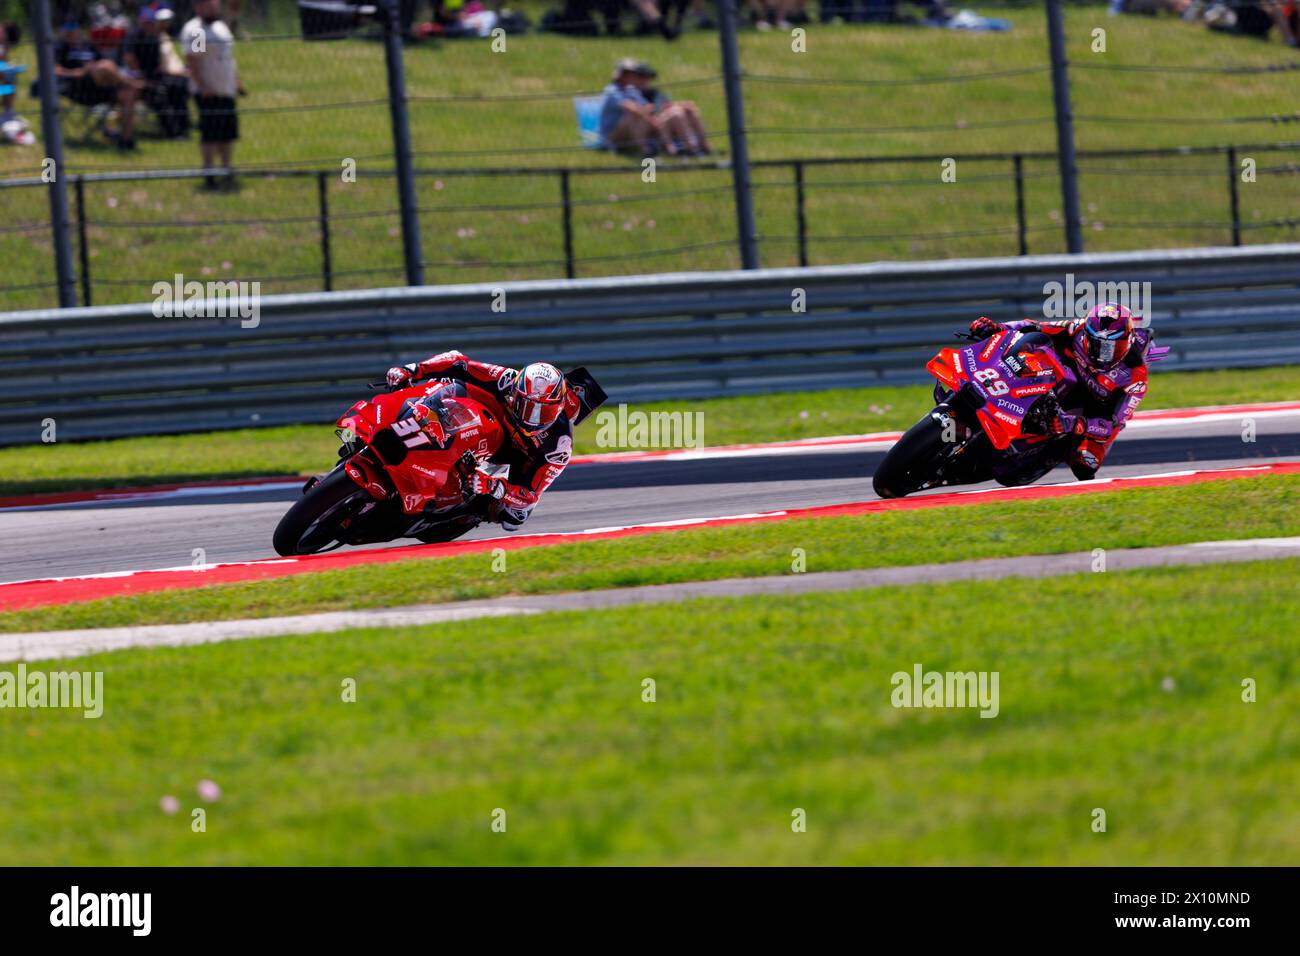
{"x":323,"y":205}
{"x":1064,"y":126}
{"x":736,"y":133}
{"x":84,"y":250}
{"x":1234,"y":199}
{"x":1019,"y":165}
{"x":402,"y":144}
{"x":800,"y":213}
{"x":52,"y":134}
{"x":568,"y":224}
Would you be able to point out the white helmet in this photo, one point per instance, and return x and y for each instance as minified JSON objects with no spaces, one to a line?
{"x":538,"y":396}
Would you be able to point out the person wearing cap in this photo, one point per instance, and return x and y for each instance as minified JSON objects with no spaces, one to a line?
{"x":627,"y":118}
{"x":141,"y":50}
{"x":624,"y":112}
{"x":87,"y":77}
{"x":679,"y":122}
{"x":171,"y":63}
{"x":149,"y":54}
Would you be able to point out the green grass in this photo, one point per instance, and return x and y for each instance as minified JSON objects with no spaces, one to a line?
{"x":1116,"y":691}
{"x":306,"y":449}
{"x":622,"y":225}
{"x":1136,"y":517}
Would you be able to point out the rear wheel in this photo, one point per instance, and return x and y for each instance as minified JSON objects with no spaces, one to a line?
{"x":913,"y":461}
{"x":313,"y":521}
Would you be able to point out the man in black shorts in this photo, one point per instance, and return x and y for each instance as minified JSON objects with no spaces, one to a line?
{"x":209,"y":48}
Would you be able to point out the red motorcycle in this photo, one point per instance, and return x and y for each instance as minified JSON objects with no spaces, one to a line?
{"x":404,"y":468}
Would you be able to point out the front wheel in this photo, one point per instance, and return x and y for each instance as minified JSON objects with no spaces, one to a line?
{"x":313,"y":521}
{"x":914,"y":460}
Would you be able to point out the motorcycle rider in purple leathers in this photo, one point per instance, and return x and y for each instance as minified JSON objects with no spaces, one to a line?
{"x":1105,"y":357}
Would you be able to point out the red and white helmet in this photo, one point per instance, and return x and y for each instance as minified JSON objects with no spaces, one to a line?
{"x":537,"y":398}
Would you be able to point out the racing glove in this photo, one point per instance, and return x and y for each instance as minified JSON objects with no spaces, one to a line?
{"x":401,"y":374}
{"x":983,"y":327}
{"x":1062,"y":423}
{"x":481,"y":484}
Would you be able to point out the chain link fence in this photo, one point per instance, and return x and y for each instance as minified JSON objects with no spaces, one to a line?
{"x":867,"y":141}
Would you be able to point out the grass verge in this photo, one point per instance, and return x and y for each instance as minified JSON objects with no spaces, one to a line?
{"x":304,"y":449}
{"x":1116,"y":691}
{"x":1137,"y":517}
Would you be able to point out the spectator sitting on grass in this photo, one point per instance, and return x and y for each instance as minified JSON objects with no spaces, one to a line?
{"x":626,"y":116}
{"x":680,"y":122}
{"x":86,"y":77}
{"x":631,"y":119}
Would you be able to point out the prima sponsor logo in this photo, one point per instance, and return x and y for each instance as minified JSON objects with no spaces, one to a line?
{"x":638,"y":429}
{"x":208,"y":300}
{"x":75,"y":690}
{"x":922,"y":688}
{"x":1075,"y":299}
{"x":132,"y":910}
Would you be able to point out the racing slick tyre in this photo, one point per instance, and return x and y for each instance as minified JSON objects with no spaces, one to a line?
{"x":313,"y":521}
{"x":913,"y":460}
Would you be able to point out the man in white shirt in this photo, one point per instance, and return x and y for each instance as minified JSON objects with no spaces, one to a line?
{"x":209,"y":49}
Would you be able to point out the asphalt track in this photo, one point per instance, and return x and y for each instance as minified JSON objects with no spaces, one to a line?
{"x":235,"y":524}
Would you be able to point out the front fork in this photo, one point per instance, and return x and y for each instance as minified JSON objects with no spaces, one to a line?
{"x":966,"y":440}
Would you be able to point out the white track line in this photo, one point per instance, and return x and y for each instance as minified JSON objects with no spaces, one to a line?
{"x":1092,"y":486}
{"x":80,"y":643}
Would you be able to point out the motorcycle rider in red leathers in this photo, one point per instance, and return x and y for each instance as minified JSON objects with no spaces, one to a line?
{"x":1107,"y":353}
{"x":536,"y":408}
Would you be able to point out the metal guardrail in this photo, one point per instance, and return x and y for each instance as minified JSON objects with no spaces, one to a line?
{"x":119,"y":370}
